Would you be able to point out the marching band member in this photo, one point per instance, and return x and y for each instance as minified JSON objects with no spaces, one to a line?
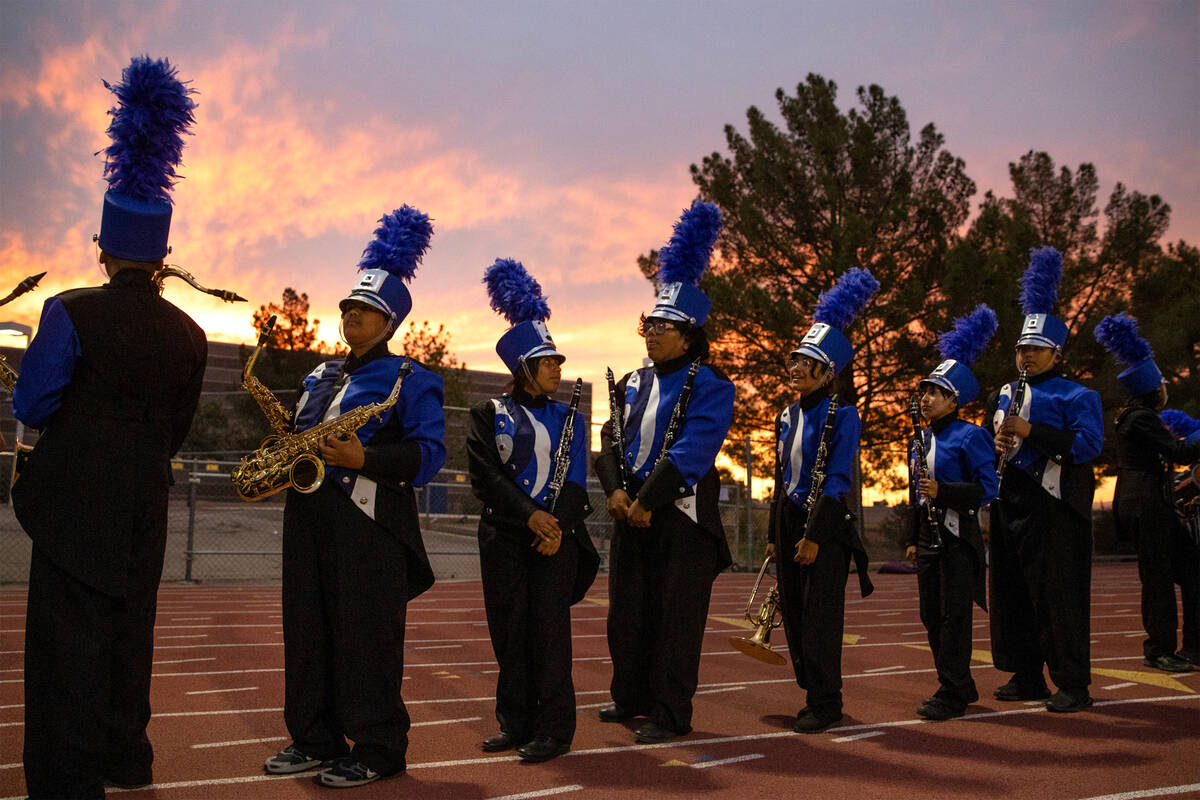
{"x":957,"y":480}
{"x":1187,"y":428}
{"x":112,"y":380}
{"x":529,"y":467}
{"x":1142,"y":502}
{"x":812,"y":529}
{"x":352,"y":550}
{"x":668,"y":424}
{"x":1047,"y":429}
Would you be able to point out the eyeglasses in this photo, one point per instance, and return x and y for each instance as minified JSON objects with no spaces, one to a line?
{"x":797,"y":360}
{"x":656,"y":326}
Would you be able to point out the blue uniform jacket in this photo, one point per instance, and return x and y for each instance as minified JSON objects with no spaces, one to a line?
{"x":511,"y":445}
{"x":686,"y":477}
{"x":798,"y":432}
{"x":961,"y":458}
{"x":402,"y":450}
{"x":1068,"y":432}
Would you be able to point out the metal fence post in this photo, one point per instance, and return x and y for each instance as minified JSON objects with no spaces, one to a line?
{"x":191,"y":533}
{"x":749,"y":506}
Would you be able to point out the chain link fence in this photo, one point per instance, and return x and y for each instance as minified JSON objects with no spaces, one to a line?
{"x":214,"y":536}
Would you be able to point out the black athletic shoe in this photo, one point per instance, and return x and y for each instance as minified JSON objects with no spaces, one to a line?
{"x":502,"y":741}
{"x":938,"y":710}
{"x":616,"y":713}
{"x":1190,"y":656}
{"x":1013,"y":691}
{"x":290,"y":760}
{"x":1169,"y":662}
{"x":542,"y":748}
{"x":809,"y":721}
{"x":653,"y":733}
{"x":1064,"y":702}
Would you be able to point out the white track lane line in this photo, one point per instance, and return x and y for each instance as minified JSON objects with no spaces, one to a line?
{"x":1160,"y":792}
{"x":720,"y":762}
{"x":540,"y":793}
{"x":858,"y":736}
{"x":186,"y":660}
{"x":1118,"y":686}
{"x":224,"y":691}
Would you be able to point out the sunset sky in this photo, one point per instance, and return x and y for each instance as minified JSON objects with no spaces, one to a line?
{"x":557,"y":133}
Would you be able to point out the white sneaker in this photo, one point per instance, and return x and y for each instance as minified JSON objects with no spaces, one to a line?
{"x":289,"y":760}
{"x":347,"y":773}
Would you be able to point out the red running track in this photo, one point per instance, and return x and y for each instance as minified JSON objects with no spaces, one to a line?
{"x":218,"y":692}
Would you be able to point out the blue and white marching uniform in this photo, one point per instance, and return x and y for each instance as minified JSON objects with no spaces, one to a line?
{"x":661,"y":577}
{"x":511,"y":449}
{"x":1068,"y":431}
{"x":1041,"y":536}
{"x":961,"y":459}
{"x":813,"y":596}
{"x":353,"y":557}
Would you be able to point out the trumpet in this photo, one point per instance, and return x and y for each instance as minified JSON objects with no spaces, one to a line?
{"x":758,"y":646}
{"x":176,"y":271}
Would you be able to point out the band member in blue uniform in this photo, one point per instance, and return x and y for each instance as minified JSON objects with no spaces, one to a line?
{"x":1041,"y":525}
{"x":1187,"y":503}
{"x":813,"y":534}
{"x":352,"y":550}
{"x":111,"y":380}
{"x":656,"y":467}
{"x":1143,"y":501}
{"x":535,"y":554}
{"x":956,"y":480}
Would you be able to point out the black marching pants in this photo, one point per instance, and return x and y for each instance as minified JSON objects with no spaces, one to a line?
{"x":1040,"y":592}
{"x":945,"y":583}
{"x":1167,"y":556}
{"x":344,"y":602}
{"x":659,"y":585}
{"x":813,"y":604}
{"x":88,"y":659}
{"x":528,"y":600}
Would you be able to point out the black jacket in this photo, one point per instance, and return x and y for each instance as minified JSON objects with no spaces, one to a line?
{"x":103,"y":458}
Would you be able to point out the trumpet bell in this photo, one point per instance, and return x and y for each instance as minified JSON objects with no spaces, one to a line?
{"x":757,"y":649}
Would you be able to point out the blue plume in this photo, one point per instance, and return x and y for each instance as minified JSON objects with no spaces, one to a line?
{"x":966,"y":341}
{"x":849,"y":296}
{"x":685,"y":257}
{"x":1118,"y":334}
{"x":1039,"y":284}
{"x":1179,"y":424}
{"x":514,"y":293}
{"x":400,"y":241}
{"x":153,"y":112}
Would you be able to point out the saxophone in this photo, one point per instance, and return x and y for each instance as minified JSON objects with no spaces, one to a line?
{"x":175,"y":271}
{"x":278,"y":417}
{"x":293,"y":461}
{"x":562,"y":456}
{"x":8,"y":375}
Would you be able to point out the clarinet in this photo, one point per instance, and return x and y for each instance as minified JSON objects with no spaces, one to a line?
{"x":616,"y":414}
{"x":914,"y":409}
{"x":1014,"y":407}
{"x":818,"y":470}
{"x":562,"y":456}
{"x":676,"y":421}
